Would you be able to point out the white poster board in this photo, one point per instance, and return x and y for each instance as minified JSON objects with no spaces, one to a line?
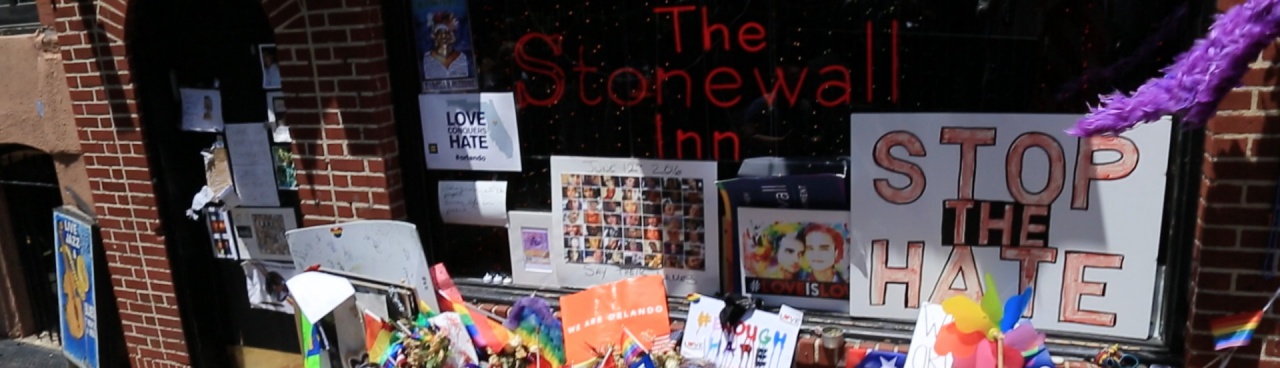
{"x":762,"y":340}
{"x":617,"y":218}
{"x":942,"y":199}
{"x":470,"y":131}
{"x":384,"y":250}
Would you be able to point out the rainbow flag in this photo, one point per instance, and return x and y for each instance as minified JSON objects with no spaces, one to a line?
{"x":460,"y":307}
{"x":311,"y":341}
{"x":633,"y":353}
{"x":1234,"y":330}
{"x":377,"y":336}
{"x":425,"y":309}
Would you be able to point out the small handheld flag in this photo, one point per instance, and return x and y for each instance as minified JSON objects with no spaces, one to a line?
{"x":1234,"y":330}
{"x":633,"y":353}
{"x":377,"y":336}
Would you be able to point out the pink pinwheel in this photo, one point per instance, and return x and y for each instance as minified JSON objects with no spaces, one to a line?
{"x":988,"y":334}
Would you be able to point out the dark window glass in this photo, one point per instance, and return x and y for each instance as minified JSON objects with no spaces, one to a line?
{"x":18,"y":13}
{"x":578,"y":65}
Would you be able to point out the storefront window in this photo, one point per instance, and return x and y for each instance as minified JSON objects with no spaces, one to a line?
{"x":15,"y":14}
{"x":730,"y":81}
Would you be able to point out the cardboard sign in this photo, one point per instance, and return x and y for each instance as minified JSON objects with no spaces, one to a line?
{"x":595,"y":318}
{"x":944,"y":198}
{"x":763,"y":340}
{"x":928,"y":325}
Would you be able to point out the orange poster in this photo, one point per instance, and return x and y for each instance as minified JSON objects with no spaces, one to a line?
{"x":594,"y":318}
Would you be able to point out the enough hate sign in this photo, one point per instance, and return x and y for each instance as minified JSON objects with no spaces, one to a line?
{"x":944,"y":198}
{"x":470,"y":131}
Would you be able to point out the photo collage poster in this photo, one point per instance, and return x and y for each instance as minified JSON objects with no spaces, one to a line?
{"x":796,"y":257}
{"x":617,"y":218}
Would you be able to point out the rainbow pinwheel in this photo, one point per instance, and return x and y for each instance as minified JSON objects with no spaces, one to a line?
{"x":988,"y":334}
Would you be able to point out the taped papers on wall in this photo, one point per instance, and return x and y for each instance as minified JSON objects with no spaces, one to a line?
{"x":473,"y":202}
{"x":252,"y":167}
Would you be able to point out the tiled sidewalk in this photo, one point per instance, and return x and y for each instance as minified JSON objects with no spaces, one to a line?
{"x":31,"y":353}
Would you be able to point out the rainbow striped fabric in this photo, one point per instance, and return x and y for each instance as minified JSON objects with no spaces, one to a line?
{"x":633,"y":353}
{"x":377,"y":336}
{"x":311,"y":342}
{"x":1234,"y":330}
{"x":468,"y":321}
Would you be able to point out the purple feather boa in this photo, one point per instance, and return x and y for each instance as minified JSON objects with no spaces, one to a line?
{"x":1198,"y":79}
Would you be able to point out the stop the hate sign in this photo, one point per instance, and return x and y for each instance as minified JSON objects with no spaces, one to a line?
{"x":941,"y":199}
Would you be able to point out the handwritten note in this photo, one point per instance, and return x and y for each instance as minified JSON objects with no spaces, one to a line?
{"x":252,"y":168}
{"x":921,"y":354}
{"x":473,"y":202}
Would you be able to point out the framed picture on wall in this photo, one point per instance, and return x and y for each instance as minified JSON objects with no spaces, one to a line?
{"x":529,"y":237}
{"x":221,"y":235}
{"x":201,"y":110}
{"x":270,"y":66}
{"x":276,"y":110}
{"x":261,"y":231}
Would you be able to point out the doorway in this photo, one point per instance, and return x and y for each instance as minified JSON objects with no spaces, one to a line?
{"x":28,"y":194}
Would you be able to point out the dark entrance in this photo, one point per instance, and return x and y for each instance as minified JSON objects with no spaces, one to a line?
{"x":29,"y":186}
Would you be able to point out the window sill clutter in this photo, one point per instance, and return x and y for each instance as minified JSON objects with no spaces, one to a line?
{"x":878,"y":335}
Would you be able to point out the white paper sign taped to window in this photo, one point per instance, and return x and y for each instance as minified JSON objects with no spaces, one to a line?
{"x":473,"y":202}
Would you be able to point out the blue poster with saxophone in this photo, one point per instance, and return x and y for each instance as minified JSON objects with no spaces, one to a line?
{"x":77,"y":300}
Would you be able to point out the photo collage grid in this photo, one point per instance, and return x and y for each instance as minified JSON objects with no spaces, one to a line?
{"x":634,"y":221}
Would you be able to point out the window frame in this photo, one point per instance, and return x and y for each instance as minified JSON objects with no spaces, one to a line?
{"x":1170,"y":311}
{"x":18,"y":16}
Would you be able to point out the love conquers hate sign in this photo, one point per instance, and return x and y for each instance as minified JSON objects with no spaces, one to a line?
{"x":941,"y":199}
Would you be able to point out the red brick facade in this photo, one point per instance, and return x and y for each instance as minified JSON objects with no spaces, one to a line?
{"x":339,"y":99}
{"x":339,"y":110}
{"x":103,"y":102}
{"x":335,"y":79}
{"x":1241,"y":164}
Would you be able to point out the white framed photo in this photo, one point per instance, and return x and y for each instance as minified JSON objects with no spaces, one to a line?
{"x":270,"y":66}
{"x":275,"y":108}
{"x":529,"y":236}
{"x":261,"y":231}
{"x":201,"y":110}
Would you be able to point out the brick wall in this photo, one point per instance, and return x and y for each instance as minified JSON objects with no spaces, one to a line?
{"x":110,"y":136}
{"x":334,"y":69}
{"x":1241,"y":164}
{"x":336,"y":86}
